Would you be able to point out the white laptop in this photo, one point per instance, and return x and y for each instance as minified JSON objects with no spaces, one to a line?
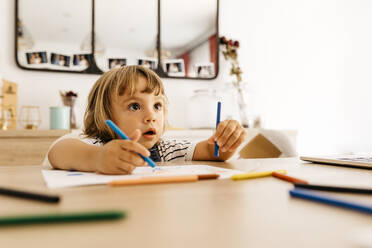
{"x":356,"y":161}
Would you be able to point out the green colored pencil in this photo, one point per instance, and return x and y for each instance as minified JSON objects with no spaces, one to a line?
{"x":61,"y":217}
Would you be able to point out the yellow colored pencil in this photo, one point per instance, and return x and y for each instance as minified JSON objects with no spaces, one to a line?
{"x":255,"y":174}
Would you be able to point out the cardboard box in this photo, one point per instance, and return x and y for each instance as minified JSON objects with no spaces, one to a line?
{"x":259,"y":147}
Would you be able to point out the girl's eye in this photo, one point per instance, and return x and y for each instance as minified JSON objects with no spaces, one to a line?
{"x":134,"y":106}
{"x":158,"y":106}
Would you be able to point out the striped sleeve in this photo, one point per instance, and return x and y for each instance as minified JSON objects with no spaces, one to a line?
{"x":176,"y":150}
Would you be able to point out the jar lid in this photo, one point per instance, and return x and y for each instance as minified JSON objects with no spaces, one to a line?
{"x":206,"y":90}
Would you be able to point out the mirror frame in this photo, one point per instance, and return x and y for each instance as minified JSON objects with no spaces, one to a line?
{"x":94,"y":69}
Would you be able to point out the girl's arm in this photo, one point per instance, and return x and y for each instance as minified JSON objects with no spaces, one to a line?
{"x":116,"y":157}
{"x":73,"y":154}
{"x":229,"y":135}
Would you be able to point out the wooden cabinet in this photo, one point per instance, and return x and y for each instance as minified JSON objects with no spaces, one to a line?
{"x":26,"y":147}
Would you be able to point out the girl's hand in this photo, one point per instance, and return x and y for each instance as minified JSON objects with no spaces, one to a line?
{"x":229,"y":135}
{"x":120,"y":156}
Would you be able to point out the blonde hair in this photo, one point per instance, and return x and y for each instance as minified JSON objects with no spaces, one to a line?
{"x":116,"y":82}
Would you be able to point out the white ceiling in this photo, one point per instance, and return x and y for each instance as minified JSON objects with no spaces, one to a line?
{"x":120,"y":23}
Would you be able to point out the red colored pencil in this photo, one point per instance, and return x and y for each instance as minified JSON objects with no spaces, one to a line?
{"x":288,"y":178}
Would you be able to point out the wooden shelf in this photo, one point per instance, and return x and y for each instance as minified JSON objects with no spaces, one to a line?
{"x":32,"y":133}
{"x":26,"y":147}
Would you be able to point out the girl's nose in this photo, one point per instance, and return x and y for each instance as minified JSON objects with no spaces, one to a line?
{"x":150,"y":117}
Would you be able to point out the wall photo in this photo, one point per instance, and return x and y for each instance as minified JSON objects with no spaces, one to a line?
{"x":174,"y":67}
{"x":81,"y":60}
{"x":204,"y":70}
{"x":36,"y":58}
{"x":116,"y":62}
{"x":148,"y":62}
{"x":60,"y":60}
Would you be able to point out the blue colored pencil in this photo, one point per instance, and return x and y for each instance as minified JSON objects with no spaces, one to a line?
{"x":216,"y":147}
{"x":305,"y":194}
{"x":122,"y":135}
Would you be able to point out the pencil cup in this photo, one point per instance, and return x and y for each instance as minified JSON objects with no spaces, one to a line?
{"x":60,"y":117}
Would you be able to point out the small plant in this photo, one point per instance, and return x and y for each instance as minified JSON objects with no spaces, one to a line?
{"x":68,"y":94}
{"x":230,"y":53}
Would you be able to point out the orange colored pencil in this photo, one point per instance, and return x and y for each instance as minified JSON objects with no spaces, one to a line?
{"x":163,"y":179}
{"x":288,"y":178}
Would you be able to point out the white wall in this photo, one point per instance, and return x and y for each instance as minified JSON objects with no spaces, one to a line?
{"x":307,"y":63}
{"x":42,"y":88}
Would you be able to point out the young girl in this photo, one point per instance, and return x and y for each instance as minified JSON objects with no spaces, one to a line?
{"x":133,"y":98}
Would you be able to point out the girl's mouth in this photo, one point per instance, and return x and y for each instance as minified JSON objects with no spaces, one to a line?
{"x":149,"y":134}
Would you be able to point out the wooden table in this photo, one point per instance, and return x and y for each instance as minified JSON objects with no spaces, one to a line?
{"x":217,"y":213}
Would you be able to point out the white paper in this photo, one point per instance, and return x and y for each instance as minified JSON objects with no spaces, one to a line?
{"x":61,"y":178}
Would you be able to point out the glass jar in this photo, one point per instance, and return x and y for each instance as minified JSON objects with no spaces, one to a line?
{"x":230,"y":109}
{"x":238,"y":101}
{"x":202,"y":109}
{"x":70,"y":101}
{"x":5,"y":118}
{"x":30,"y":117}
{"x":248,"y":114}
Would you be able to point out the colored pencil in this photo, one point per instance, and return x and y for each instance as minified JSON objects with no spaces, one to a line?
{"x":216,"y":147}
{"x":29,"y":195}
{"x":251,"y":175}
{"x":122,"y":135}
{"x":288,"y":178}
{"x":162,"y":179}
{"x":308,"y":195}
{"x":60,"y":217}
{"x":334,"y":188}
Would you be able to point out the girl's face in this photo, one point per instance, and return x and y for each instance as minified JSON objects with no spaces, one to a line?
{"x":143,"y":111}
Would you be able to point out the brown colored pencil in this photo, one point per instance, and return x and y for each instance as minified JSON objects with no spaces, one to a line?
{"x":288,"y":178}
{"x":208,"y":176}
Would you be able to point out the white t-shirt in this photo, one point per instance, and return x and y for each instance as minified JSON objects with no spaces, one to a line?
{"x":163,"y":151}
